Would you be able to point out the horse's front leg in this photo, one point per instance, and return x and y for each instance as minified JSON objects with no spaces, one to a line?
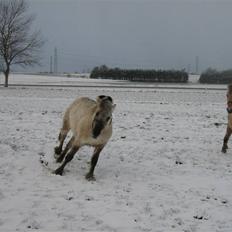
{"x":68,"y":158}
{"x":226,"y":138}
{"x":94,"y":159}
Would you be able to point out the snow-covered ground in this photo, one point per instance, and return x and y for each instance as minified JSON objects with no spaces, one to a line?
{"x":161,"y":171}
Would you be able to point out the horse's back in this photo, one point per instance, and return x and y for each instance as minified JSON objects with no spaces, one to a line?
{"x":80,"y":110}
{"x":81,"y":107}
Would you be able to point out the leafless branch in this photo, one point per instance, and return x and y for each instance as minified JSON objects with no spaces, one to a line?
{"x":18,"y":45}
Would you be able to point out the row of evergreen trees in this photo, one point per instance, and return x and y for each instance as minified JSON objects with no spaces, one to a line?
{"x":212,"y":76}
{"x":103,"y":72}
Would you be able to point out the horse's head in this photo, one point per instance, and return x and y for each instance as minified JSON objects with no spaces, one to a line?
{"x":103,"y":114}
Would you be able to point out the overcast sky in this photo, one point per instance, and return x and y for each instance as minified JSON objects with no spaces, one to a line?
{"x":164,"y":34}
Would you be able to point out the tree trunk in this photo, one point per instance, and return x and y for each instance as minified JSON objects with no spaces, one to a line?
{"x":6,"y":73}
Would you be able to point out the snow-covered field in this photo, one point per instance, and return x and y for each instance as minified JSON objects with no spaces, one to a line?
{"x":161,"y":171}
{"x":19,"y":79}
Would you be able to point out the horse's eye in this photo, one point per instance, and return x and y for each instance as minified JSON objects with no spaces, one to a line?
{"x":97,"y":114}
{"x":107,"y":119}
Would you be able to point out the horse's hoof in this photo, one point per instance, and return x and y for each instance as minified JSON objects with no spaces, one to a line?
{"x":58,"y":172}
{"x":224,"y":150}
{"x":90,"y":177}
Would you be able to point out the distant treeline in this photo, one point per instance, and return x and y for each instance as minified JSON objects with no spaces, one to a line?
{"x":212,"y":76}
{"x":103,"y":72}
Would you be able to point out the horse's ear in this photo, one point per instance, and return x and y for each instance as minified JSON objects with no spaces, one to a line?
{"x":114,"y":105}
{"x":99,"y":98}
{"x":110,"y":98}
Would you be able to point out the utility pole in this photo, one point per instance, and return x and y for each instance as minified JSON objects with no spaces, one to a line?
{"x":189,"y":68}
{"x":55,"y":61}
{"x":51,"y":63}
{"x":197,"y":64}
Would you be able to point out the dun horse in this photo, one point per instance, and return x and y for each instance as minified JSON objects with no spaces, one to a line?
{"x":91,"y":124}
{"x":229,"y":124}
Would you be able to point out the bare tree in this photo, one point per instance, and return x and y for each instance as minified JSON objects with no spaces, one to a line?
{"x":18,"y":45}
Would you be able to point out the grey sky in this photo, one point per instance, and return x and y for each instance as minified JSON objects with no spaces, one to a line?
{"x":135,"y":33}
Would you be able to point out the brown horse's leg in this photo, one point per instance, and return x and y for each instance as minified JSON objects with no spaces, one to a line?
{"x":68,"y":158}
{"x":94,"y":159}
{"x":226,"y":138}
{"x":63,"y":133}
{"x":63,"y":153}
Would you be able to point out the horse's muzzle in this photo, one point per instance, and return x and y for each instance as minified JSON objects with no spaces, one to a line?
{"x":229,"y":110}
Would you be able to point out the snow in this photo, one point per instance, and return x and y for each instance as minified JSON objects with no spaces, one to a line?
{"x":161,"y":171}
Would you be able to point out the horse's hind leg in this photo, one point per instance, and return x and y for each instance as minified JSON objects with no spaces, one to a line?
{"x":63,"y":133}
{"x":64,"y":152}
{"x":226,"y":138}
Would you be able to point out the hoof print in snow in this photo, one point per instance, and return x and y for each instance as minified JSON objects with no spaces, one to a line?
{"x":34,"y":226}
{"x":43,"y":162}
{"x":224,"y":202}
{"x":99,"y":222}
{"x":42,"y":154}
{"x":89,"y":198}
{"x":217,"y":124}
{"x":179,"y":221}
{"x":179,"y":162}
{"x":200,"y":217}
{"x":121,"y":158}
